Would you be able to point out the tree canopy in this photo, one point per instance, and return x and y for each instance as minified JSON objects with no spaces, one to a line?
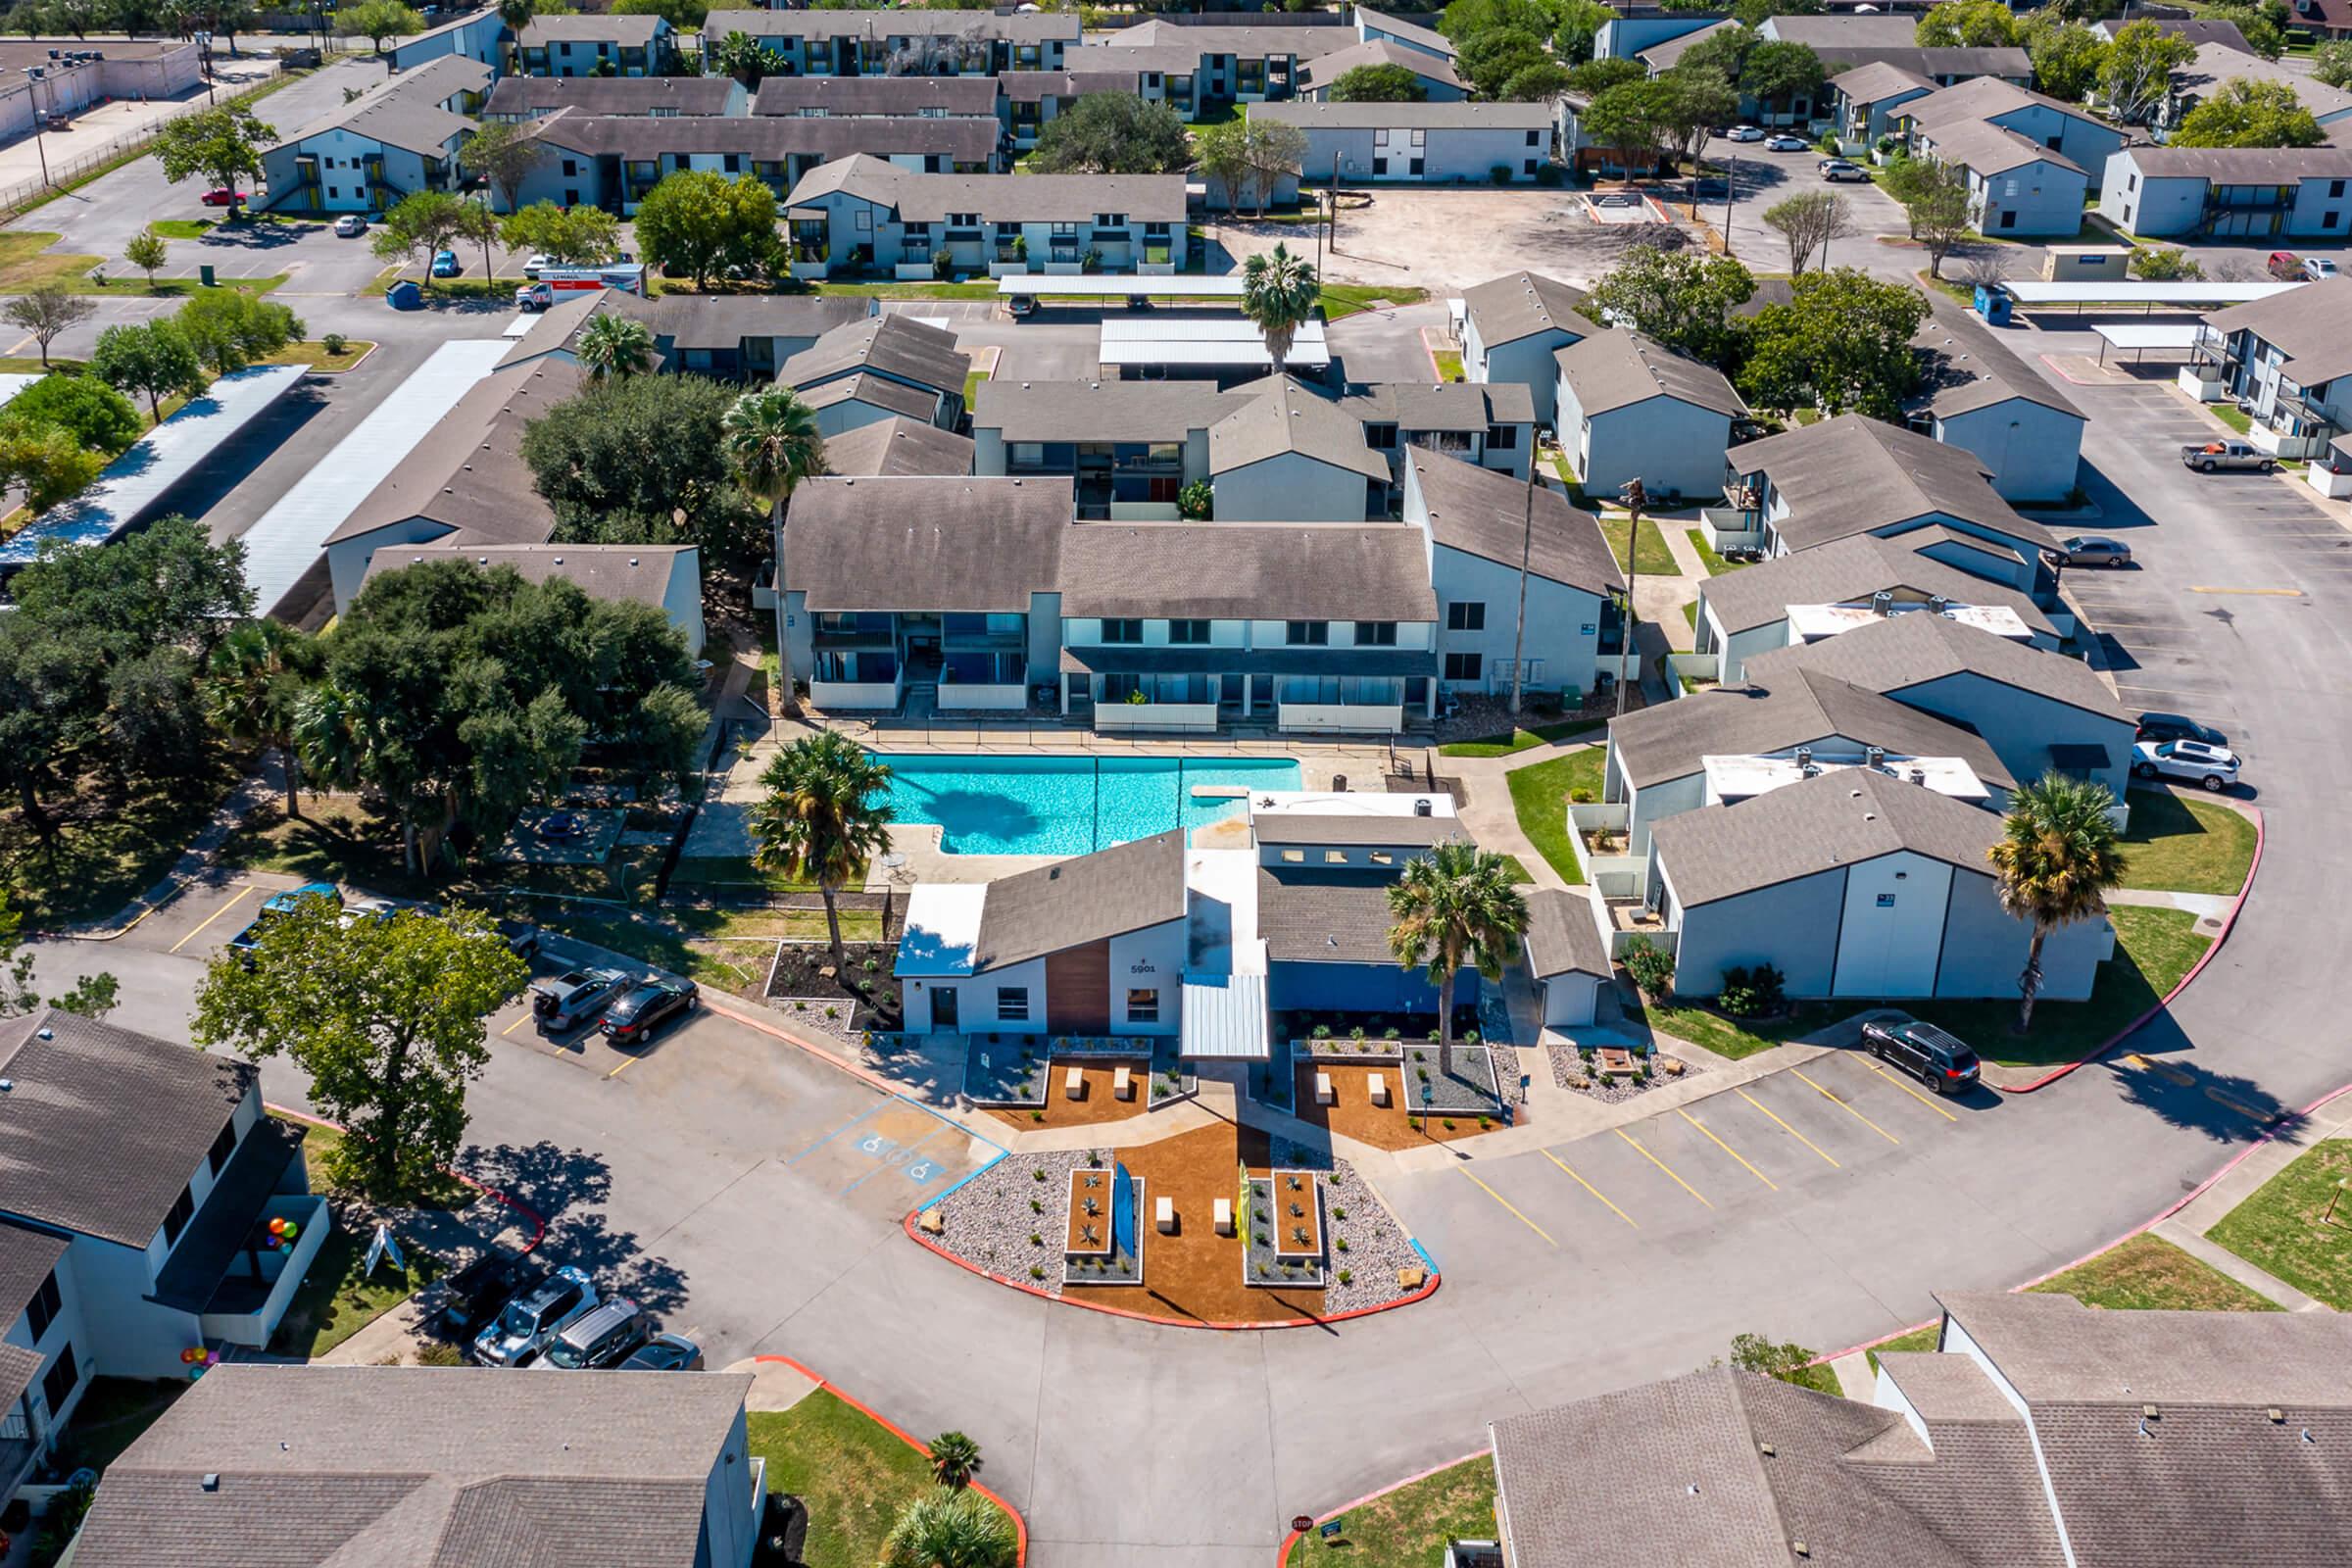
{"x":153,"y":358}
{"x":222,"y":145}
{"x":1683,"y":299}
{"x":2066,"y":56}
{"x":699,"y":222}
{"x":1778,"y":73}
{"x":94,"y":414}
{"x":1378,"y":84}
{"x":1968,"y":23}
{"x":2244,"y":113}
{"x":622,"y":462}
{"x":504,"y":153}
{"x":1841,"y":344}
{"x":1490,"y":59}
{"x":1580,"y":25}
{"x":569,"y":236}
{"x":1113,"y":133}
{"x":378,"y":19}
{"x":230,"y":330}
{"x":2137,"y":69}
{"x":2332,"y":63}
{"x":2260,"y":29}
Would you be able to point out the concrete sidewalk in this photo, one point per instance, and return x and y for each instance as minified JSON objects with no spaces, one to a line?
{"x":2188,"y":1228}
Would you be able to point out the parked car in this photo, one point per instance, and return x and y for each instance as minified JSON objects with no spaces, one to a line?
{"x":1834,"y":169}
{"x":350,"y":227}
{"x":281,"y":904}
{"x":445,"y":264}
{"x":477,"y":1293}
{"x":534,"y":262}
{"x":521,"y":936}
{"x":632,"y":1019}
{"x":2243,"y":457}
{"x":2091,"y":550}
{"x":2212,"y":766}
{"x":223,"y":196}
{"x":2178,"y":727}
{"x":369,"y":908}
{"x":524,"y":1325}
{"x":1743,"y":133}
{"x":1785,"y":143}
{"x":597,"y":1338}
{"x":664,"y":1352}
{"x":1940,"y":1059}
{"x":2319,"y":269}
{"x":2286,"y":266}
{"x":569,"y":1001}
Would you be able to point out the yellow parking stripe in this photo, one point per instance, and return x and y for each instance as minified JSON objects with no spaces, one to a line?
{"x":1590,"y":1188}
{"x":624,"y":1066}
{"x":1727,"y":1148}
{"x":243,"y":888}
{"x":1908,"y":1090}
{"x":1785,"y":1127}
{"x":1849,"y":1110}
{"x":1662,"y":1165}
{"x":517,"y":1024}
{"x":1498,"y":1197}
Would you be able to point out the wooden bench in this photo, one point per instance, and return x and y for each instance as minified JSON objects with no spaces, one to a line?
{"x":1073,"y":1084}
{"x":1122,"y":1084}
{"x":1223,"y":1216}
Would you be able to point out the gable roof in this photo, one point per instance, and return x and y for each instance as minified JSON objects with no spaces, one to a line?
{"x":1984,"y":97}
{"x":1620,"y":368}
{"x":104,"y":1127}
{"x":1852,"y":474}
{"x":1964,"y":366}
{"x":1834,"y":819}
{"x":1484,"y":514}
{"x":2196,"y":30}
{"x":1562,"y":935}
{"x":1262,"y":570}
{"x":879,"y":95}
{"x":26,"y":1256}
{"x":1666,"y":55}
{"x":635,"y":574}
{"x":1877,"y":82}
{"x":897,"y":447}
{"x":1288,"y":418}
{"x":1793,"y":707}
{"x":2312,"y":326}
{"x":405,"y":111}
{"x":1850,"y":570}
{"x":467,"y":473}
{"x":429,"y":1467}
{"x":1320,"y":72}
{"x":1519,"y":305}
{"x":920,"y":198}
{"x":626,"y":32}
{"x":720,"y":321}
{"x":1905,"y":650}
{"x":1036,"y":86}
{"x":1464,"y":405}
{"x":2217,"y":63}
{"x":1429,"y":114}
{"x":1845,"y":30}
{"x":897,"y":346}
{"x":911,"y":21}
{"x":610,"y":95}
{"x":964,"y":545}
{"x":771,"y":138}
{"x":1419,"y":37}
{"x":1990,"y":149}
{"x":1085,"y":899}
{"x":2244,"y":166}
{"x":1100,"y":410}
{"x":894,"y":398}
{"x":1308,"y":914}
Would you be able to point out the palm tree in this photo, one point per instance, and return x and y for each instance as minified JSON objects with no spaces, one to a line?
{"x":327,"y":734}
{"x":824,"y":818}
{"x":772,"y":443}
{"x":517,"y":15}
{"x":950,"y":1529}
{"x":2058,"y":854}
{"x":1279,"y":293}
{"x":1452,"y":908}
{"x":614,"y":345}
{"x":954,"y":1460}
{"x":745,"y":57}
{"x":252,"y":692}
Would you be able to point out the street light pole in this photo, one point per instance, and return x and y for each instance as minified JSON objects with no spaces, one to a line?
{"x":1731,"y":185}
{"x":1636,"y":497}
{"x":39,"y":120}
{"x":1527,"y":547}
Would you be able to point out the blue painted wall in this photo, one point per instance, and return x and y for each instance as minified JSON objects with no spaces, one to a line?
{"x":1360,"y":988}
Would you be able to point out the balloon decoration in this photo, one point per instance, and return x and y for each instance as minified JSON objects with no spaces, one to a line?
{"x":291,"y":1230}
{"x":271,"y":1244}
{"x":277,"y":1227}
{"x":192,"y":1354}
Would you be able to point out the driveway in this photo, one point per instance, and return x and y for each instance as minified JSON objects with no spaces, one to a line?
{"x":1756,"y":180}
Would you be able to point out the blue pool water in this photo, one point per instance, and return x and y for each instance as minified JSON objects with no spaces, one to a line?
{"x":1067,"y":804}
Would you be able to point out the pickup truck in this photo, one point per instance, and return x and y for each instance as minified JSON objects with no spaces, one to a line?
{"x":2212,"y":456}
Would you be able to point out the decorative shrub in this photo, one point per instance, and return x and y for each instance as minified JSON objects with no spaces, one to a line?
{"x":1749,"y":993}
{"x":334,"y":343}
{"x":1653,"y":969}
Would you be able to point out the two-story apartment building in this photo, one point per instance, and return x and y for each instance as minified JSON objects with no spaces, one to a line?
{"x":2015,"y":185}
{"x":594,"y":45}
{"x":1492,"y":423}
{"x":1511,"y":327}
{"x":1433,"y":143}
{"x":1864,"y":101}
{"x":134,"y":1219}
{"x":523,"y":98}
{"x":879,"y":97}
{"x":1433,"y":72}
{"x":2248,"y":192}
{"x":908,"y":42}
{"x":1976,"y":395}
{"x":2287,"y":359}
{"x":728,"y":336}
{"x":396,"y":139}
{"x":878,"y":367}
{"x":865,"y":212}
{"x":1629,"y":409}
{"x":2085,"y":140}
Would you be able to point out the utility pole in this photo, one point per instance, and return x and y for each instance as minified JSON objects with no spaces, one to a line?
{"x":1527,"y":545}
{"x":1634,"y":497}
{"x":39,"y":120}
{"x":1331,"y":216}
{"x":1731,"y":185}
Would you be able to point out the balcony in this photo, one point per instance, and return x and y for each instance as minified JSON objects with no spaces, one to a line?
{"x":868,"y":696}
{"x":1340,"y":718}
{"x":221,"y":1270}
{"x":1191,"y":718}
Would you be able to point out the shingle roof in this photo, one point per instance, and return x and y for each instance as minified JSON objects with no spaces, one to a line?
{"x":418,"y":1466}
{"x":1243,"y":42}
{"x":1482,"y":513}
{"x":1800,"y":707}
{"x":1836,"y":818}
{"x":1469,"y":407}
{"x":627,"y":33}
{"x":1361,"y":828}
{"x":1852,"y":474}
{"x":920,"y":198}
{"x":103,"y":1127}
{"x":944,"y":544}
{"x":1617,"y":368}
{"x":1292,"y":420}
{"x":769,"y":137}
{"x":18,"y":1368}
{"x":1984,"y":97}
{"x":879,"y":95}
{"x":1989,"y":149}
{"x":26,"y":1256}
{"x":895,"y":346}
{"x":1261,"y":571}
{"x":1562,"y":937}
{"x":1848,"y":31}
{"x":1964,"y":366}
{"x":1322,"y":71}
{"x":897,"y":447}
{"x":1878,"y":81}
{"x":896,"y":397}
{"x":1905,"y":651}
{"x":1848,"y":571}
{"x":1520,"y":305}
{"x":907,"y":22}
{"x":467,"y":473}
{"x":1036,"y":86}
{"x":1100,"y":410}
{"x":1429,"y":114}
{"x":1086,"y":899}
{"x":2217,"y":63}
{"x":1941,"y":60}
{"x":1423,"y":38}
{"x":638,"y":575}
{"x":1310,"y":915}
{"x":2198,"y":30}
{"x":1663,"y":57}
{"x":405,"y":111}
{"x":2243,"y":166}
{"x":610,"y":95}
{"x":2312,"y":326}
{"x":690,"y":321}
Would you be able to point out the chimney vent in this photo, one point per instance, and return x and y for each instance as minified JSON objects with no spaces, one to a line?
{"x":211,"y":1481}
{"x":1882,"y":603}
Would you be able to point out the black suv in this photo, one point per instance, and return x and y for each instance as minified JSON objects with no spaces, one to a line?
{"x":632,"y":1020}
{"x":2178,"y":727}
{"x":1942,"y":1060}
{"x":477,"y":1293}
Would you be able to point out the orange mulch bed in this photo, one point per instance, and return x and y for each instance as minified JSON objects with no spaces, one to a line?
{"x":1198,"y":1273}
{"x":1098,"y":1105}
{"x":1388,"y":1126}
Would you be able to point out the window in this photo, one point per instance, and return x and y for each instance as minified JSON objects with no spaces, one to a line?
{"x":1129,"y":630}
{"x":1143,"y":1004}
{"x":1306,"y":633}
{"x":1381,"y":437}
{"x":2008,"y":221}
{"x":1028,"y":454}
{"x":963,"y":219}
{"x":1013,"y":1004}
{"x":2327,"y":219}
{"x":58,"y":1386}
{"x":1294,"y":856}
{"x":1463,"y":667}
{"x":1465,"y":618}
{"x":1382,"y":858}
{"x":1110,"y":220}
{"x":1188,"y":634}
{"x":1375,"y":634}
{"x":182,"y":1208}
{"x":1502,"y":438}
{"x":734,"y":163}
{"x":1531,"y":137}
{"x":2335,"y":188}
{"x":42,"y":1309}
{"x":217,"y":1155}
{"x":2130,"y":183}
{"x":1335,"y":856}
{"x":571,"y":167}
{"x":1529,"y":167}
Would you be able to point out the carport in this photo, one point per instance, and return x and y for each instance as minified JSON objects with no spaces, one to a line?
{"x":2142,"y":336}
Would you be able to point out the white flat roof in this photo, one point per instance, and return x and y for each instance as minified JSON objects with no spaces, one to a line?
{"x":135,"y":482}
{"x":2039,"y":293}
{"x":14,"y":383}
{"x":1211,"y":340}
{"x":2148,"y":334}
{"x":1810,"y":623}
{"x":1323,"y":803}
{"x":943,"y":928}
{"x":286,"y":543}
{"x":1739,"y":778}
{"x":1105,"y":285}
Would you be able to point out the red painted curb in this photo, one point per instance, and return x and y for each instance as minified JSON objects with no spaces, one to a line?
{"x":1872,"y":1345}
{"x":1294,"y":1536}
{"x":2229,"y":923}
{"x":1421,"y":1294}
{"x":869,"y":1078}
{"x":1020,"y":1526}
{"x":538,"y":1223}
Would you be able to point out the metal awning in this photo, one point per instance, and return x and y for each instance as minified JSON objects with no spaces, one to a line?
{"x":2147,"y":296}
{"x":2141,"y":336}
{"x":1225,"y":1018}
{"x":1221,"y":340}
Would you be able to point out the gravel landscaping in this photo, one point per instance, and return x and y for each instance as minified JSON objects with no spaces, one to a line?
{"x":1468,"y":1089}
{"x":1570,"y":1071}
{"x":829,"y":1015}
{"x":1363,"y":1276}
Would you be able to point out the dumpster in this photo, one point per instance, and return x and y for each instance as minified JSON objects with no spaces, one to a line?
{"x":1992,"y":303}
{"x":405,"y":295}
{"x":204,"y":276}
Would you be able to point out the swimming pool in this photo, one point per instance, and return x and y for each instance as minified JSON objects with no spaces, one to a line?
{"x":1066,"y":805}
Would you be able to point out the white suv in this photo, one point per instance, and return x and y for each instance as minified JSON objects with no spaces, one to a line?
{"x":2214,"y":766}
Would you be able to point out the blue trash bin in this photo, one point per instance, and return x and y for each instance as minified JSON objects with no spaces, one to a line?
{"x":1992,"y":303}
{"x":405,"y":295}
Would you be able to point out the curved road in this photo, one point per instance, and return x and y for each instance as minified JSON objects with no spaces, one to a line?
{"x":1127,"y":1443}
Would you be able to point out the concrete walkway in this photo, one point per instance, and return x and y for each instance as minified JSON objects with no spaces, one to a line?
{"x":2213,"y":906}
{"x":775,"y":1384}
{"x":196,"y":859}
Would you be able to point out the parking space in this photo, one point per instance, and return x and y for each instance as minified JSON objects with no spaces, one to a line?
{"x":891,"y":1156}
{"x":205,"y":913}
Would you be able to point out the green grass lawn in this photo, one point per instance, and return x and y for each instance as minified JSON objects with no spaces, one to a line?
{"x":2284,"y":1228}
{"x":1449,"y":364}
{"x":315,"y":357}
{"x":2179,"y":844}
{"x":1408,"y":1528}
{"x":1650,"y":557}
{"x":1716,"y":565}
{"x":336,"y":1299}
{"x":336,"y":840}
{"x":1519,"y":871}
{"x":1691,"y":615}
{"x":1519,"y":740}
{"x":109,"y":847}
{"x":1820,"y":1377}
{"x":1916,"y":1339}
{"x":181,"y":228}
{"x":1701,"y":1026}
{"x":1539,"y":798}
{"x":985,"y":289}
{"x":112,"y":1415}
{"x":2154,"y":949}
{"x":1343,"y":300}
{"x":2234,"y":417}
{"x":854,"y":1474}
{"x":24,"y":265}
{"x":30,"y":363}
{"x":974,"y":381}
{"x":2148,"y":1273}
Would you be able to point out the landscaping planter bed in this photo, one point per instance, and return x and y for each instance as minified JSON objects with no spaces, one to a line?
{"x":829,"y":1014}
{"x":1369,"y":1053}
{"x":1570,"y":1071}
{"x":865,"y":990}
{"x":1468,"y":1089}
{"x":1273,"y":1256}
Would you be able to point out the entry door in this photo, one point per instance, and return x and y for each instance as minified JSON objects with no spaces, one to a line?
{"x":946,"y":1008}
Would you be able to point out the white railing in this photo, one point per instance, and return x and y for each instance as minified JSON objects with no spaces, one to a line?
{"x":1728,"y":528}
{"x":2194,"y":383}
{"x":1193,"y":717}
{"x":854,"y":694}
{"x":1340,"y":718}
{"x":997,"y":699}
{"x":1144,"y":511}
{"x":313,"y":1220}
{"x":913,"y":271}
{"x":1612,"y":876}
